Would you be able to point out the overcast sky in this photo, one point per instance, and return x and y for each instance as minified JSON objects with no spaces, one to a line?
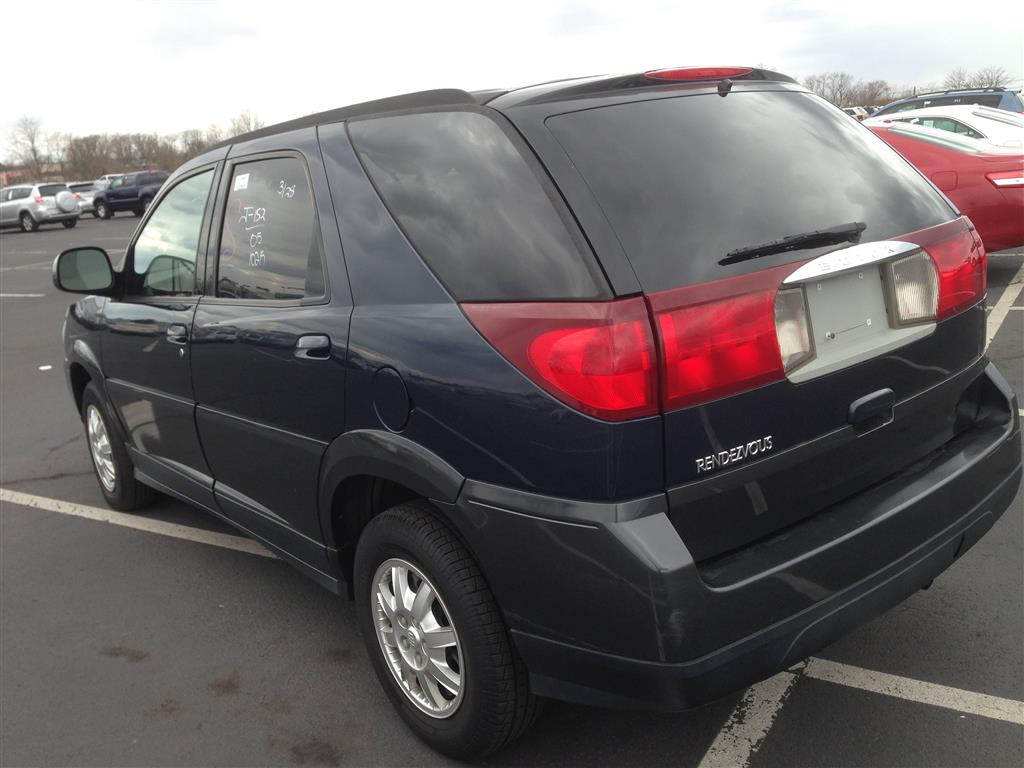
{"x":168,"y":66}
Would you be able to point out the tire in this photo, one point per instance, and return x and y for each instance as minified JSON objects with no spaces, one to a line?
{"x":145,"y":203}
{"x":493,"y":705}
{"x":101,"y":210}
{"x":28,"y":224}
{"x":94,"y":214}
{"x":120,"y":488}
{"x":69,"y":223}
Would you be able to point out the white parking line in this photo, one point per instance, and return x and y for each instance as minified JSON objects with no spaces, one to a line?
{"x":753,"y":717}
{"x":1006,"y":301}
{"x":21,"y":295}
{"x":749,"y":723}
{"x":237,"y":543}
{"x":967,"y":702}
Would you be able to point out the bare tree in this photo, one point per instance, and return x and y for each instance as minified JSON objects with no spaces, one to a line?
{"x":57,"y":149}
{"x":990,"y":77}
{"x":245,"y":122}
{"x":957,"y":78}
{"x":837,"y":87}
{"x":214,"y":134}
{"x":89,"y":156}
{"x":27,"y":144}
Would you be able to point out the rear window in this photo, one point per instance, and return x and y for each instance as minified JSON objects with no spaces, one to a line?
{"x":82,"y":187}
{"x":686,"y":180}
{"x":51,"y":190}
{"x":476,"y":208}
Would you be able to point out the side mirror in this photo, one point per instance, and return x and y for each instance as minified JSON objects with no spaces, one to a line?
{"x":83,"y":270}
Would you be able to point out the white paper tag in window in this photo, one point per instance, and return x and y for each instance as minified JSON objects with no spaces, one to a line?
{"x":241,"y":181}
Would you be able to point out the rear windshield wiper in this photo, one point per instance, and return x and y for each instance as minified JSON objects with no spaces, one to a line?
{"x":840,"y":233}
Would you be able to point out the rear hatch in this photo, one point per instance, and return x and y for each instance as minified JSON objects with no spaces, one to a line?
{"x":782,"y":394}
{"x":57,"y":197}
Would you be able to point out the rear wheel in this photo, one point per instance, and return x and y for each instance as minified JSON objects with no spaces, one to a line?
{"x":69,"y":223}
{"x":110,"y":459}
{"x":101,"y":210}
{"x":435,"y":635}
{"x":28,"y":224}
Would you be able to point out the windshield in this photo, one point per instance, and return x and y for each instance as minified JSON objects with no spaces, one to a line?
{"x":685,"y":181}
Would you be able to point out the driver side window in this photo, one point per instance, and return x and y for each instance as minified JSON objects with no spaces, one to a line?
{"x":164,"y":258}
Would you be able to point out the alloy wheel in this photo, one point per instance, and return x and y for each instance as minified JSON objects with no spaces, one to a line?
{"x":100,"y":448}
{"x":417,"y":637}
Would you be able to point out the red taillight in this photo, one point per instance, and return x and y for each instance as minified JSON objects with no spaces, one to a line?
{"x":77,"y":196}
{"x":697,"y":73}
{"x":961,"y":263}
{"x":38,"y":199}
{"x":718,"y":338}
{"x":1004,"y":179}
{"x":598,"y":357}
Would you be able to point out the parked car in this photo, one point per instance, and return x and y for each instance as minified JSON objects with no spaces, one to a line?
{"x":129,"y":192}
{"x":998,"y":98}
{"x":993,"y":126}
{"x":29,"y":206}
{"x":611,"y":390}
{"x":858,"y":112}
{"x":984,"y":181}
{"x":83,"y":192}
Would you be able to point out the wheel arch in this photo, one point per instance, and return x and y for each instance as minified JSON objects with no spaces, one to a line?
{"x":365,"y":472}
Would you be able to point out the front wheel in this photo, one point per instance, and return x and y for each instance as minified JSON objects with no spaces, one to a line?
{"x":101,"y":210}
{"x":110,"y":459}
{"x":435,"y":636}
{"x":69,"y":223}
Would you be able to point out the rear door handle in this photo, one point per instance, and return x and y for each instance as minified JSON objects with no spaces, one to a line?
{"x":313,"y":346}
{"x":177,"y":333}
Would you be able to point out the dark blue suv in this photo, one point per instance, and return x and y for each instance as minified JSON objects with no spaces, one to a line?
{"x":997,"y":98}
{"x":615,"y":390}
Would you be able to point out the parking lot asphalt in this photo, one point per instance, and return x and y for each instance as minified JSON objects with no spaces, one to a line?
{"x":121,"y":646}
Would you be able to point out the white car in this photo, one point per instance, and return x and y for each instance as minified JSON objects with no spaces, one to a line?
{"x":856,"y":112}
{"x":998,"y":127}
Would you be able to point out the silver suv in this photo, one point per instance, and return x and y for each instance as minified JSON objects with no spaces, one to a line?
{"x":30,"y":205}
{"x":83,"y":192}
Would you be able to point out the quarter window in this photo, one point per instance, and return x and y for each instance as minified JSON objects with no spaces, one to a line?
{"x":270,"y":242}
{"x":164,"y":258}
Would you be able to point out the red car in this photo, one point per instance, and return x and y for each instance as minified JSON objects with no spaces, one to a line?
{"x":984,"y":182}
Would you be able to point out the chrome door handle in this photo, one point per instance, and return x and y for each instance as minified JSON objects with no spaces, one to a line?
{"x":313,"y":346}
{"x":177,"y":333}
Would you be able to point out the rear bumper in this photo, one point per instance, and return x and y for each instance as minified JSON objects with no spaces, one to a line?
{"x":607,"y":607}
{"x":43,"y":215}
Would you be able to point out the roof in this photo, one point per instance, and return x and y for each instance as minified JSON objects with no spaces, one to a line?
{"x":447,"y":97}
{"x":418,"y":100}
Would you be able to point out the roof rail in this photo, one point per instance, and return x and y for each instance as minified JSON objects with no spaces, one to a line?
{"x":993,"y":89}
{"x":441,"y":97}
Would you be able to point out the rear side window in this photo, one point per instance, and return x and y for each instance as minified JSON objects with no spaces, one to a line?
{"x":270,"y":242}
{"x":686,"y":180}
{"x":51,"y":190}
{"x":477,"y":210}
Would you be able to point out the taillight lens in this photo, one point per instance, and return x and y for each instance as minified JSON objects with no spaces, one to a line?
{"x":1005,"y":179}
{"x":718,"y":338}
{"x":38,"y":200}
{"x":914,"y":284}
{"x":961,"y":263}
{"x":598,"y":357}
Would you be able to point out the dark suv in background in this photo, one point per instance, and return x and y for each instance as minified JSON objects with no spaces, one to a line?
{"x":609,"y":390}
{"x":998,"y":98}
{"x":130,"y":192}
